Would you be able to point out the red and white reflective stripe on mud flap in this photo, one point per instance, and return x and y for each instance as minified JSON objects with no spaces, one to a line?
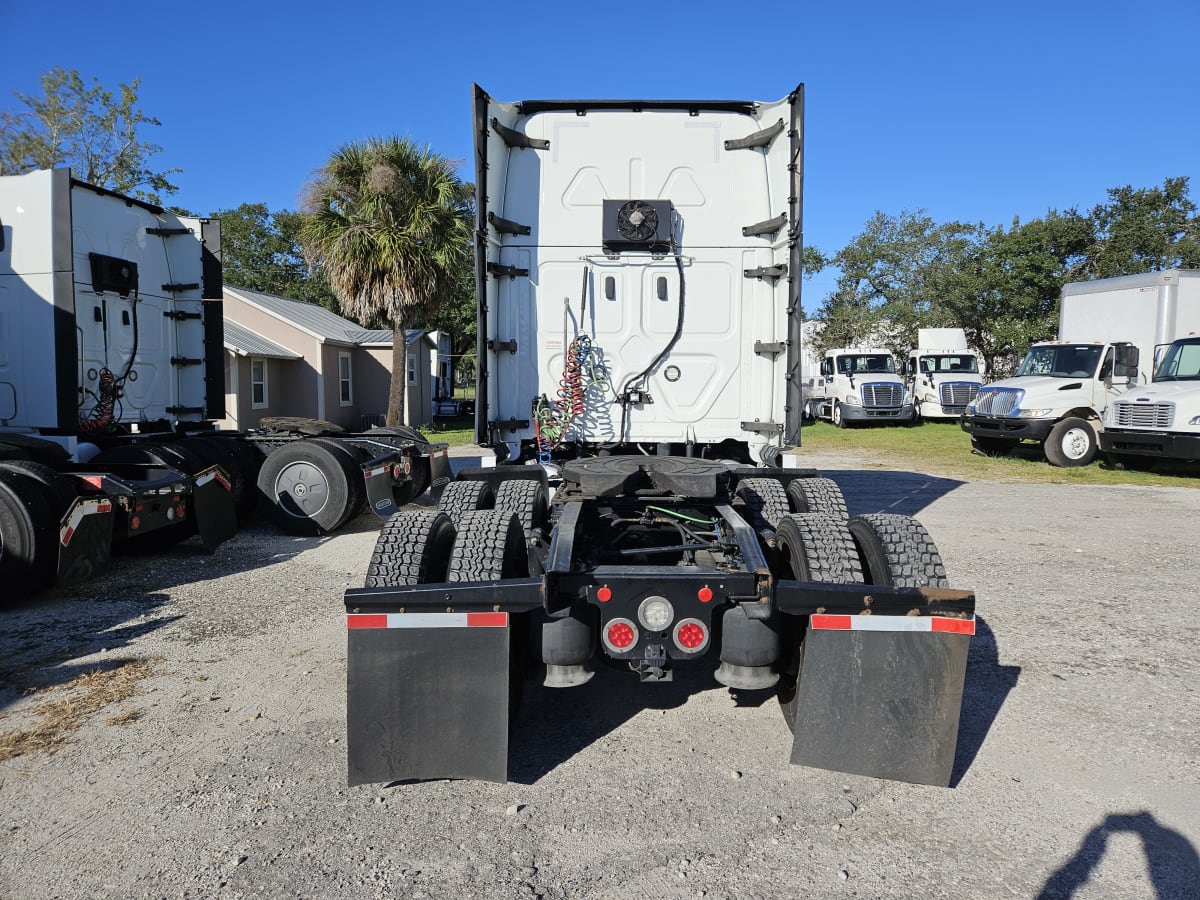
{"x":427,"y":620}
{"x":81,"y":509}
{"x":941,"y":624}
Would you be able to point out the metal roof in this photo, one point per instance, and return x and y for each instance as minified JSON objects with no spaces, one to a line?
{"x":244,"y":342}
{"x":318,"y":321}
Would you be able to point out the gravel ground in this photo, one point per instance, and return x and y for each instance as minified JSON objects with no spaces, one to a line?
{"x":1077,"y":771}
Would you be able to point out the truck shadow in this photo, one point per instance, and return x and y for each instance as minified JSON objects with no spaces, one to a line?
{"x":43,"y":636}
{"x":904,"y":493}
{"x":1172,"y":864}
{"x":987,"y":686}
{"x":555,"y":724}
{"x":41,"y":640}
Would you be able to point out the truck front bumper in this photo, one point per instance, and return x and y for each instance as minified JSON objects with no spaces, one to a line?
{"x":877,"y":414}
{"x":1007,"y":429}
{"x":937,"y":411}
{"x":1159,"y":444}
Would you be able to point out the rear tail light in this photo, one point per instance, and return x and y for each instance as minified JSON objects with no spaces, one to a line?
{"x":691,"y":636}
{"x":620,"y":635}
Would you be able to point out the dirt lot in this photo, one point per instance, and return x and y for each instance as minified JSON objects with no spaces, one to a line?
{"x":215,"y":764}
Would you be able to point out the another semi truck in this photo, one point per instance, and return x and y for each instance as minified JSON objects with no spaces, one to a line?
{"x":639,"y":275}
{"x":858,"y":385}
{"x":942,"y":374}
{"x":1110,"y":333}
{"x":111,"y":374}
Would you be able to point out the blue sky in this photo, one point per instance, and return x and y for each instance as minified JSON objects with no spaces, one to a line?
{"x":972,"y":111}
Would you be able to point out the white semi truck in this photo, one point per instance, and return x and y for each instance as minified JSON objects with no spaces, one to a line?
{"x":638,"y":278}
{"x":1109,"y":333}
{"x":111,"y":374}
{"x":942,"y":374}
{"x":858,"y":385}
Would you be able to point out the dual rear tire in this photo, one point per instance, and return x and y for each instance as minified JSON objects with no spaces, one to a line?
{"x":879,"y":548}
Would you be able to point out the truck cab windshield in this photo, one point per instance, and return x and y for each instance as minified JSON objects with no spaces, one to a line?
{"x":1061,"y":361}
{"x":1181,"y":362}
{"x":866,"y":364}
{"x":947,"y":365}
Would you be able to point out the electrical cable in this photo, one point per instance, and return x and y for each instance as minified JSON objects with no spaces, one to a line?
{"x":635,"y":379}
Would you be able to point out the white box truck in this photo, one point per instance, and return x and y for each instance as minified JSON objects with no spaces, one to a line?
{"x":1109,"y":331}
{"x":1162,"y":420}
{"x":858,"y":385}
{"x":942,"y":374}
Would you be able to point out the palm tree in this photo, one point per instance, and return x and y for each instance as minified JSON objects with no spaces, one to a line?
{"x":388,"y":222}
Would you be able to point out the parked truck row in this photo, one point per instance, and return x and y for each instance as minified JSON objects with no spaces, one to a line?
{"x":111,"y":365}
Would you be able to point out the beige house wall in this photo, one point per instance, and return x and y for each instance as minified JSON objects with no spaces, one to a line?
{"x":294,"y":387}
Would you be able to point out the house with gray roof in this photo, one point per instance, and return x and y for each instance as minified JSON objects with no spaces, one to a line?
{"x":291,"y":358}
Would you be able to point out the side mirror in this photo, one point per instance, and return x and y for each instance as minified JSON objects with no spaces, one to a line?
{"x":1126,"y":360}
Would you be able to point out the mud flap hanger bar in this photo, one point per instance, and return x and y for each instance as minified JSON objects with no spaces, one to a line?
{"x":797,"y":598}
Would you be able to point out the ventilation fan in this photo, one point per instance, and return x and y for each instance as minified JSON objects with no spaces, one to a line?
{"x":637,"y":221}
{"x":637,"y":225}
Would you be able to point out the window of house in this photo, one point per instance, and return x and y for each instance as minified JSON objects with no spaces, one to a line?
{"x":258,"y":383}
{"x":345,"y":380}
{"x":412,"y":368}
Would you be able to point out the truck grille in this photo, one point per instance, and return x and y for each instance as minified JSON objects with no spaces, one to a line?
{"x":882,"y":394}
{"x":997,"y":401}
{"x":1144,"y":415}
{"x":957,"y":393}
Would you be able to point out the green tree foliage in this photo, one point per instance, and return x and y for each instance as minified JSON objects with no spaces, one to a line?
{"x":890,"y":277}
{"x":388,"y":221}
{"x":1001,"y":286}
{"x":261,"y":250}
{"x":1004,"y":292}
{"x":96,"y":133}
{"x":1145,"y":230}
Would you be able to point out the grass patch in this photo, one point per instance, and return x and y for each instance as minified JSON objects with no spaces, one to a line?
{"x":944,"y":449}
{"x":65,"y":707}
{"x":937,"y":448}
{"x":453,"y":430}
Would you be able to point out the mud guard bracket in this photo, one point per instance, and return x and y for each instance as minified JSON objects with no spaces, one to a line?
{"x":427,"y":696}
{"x":881,"y":702}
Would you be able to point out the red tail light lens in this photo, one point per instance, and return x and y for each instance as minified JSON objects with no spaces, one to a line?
{"x":620,"y":635}
{"x":691,"y":636}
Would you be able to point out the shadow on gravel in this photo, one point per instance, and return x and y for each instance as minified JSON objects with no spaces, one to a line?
{"x":40,"y":634}
{"x":39,"y":644}
{"x":555,"y":724}
{"x":987,"y":687}
{"x":904,"y":493}
{"x":1172,"y":863}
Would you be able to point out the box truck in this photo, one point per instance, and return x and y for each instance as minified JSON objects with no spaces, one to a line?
{"x":1110,"y":331}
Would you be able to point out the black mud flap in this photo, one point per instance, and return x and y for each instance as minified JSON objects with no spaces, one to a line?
{"x":377,"y":476}
{"x":214,"y":507}
{"x":427,"y":696}
{"x":881,"y":695}
{"x":84,"y":539}
{"x":439,"y":471}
